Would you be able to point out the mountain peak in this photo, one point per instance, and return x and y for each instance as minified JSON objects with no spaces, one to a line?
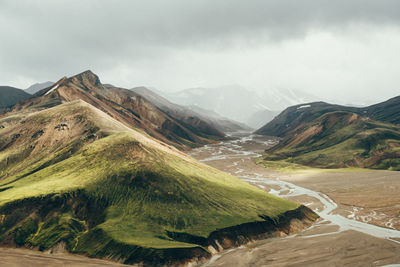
{"x":87,"y":75}
{"x":87,"y":72}
{"x":87,"y":79}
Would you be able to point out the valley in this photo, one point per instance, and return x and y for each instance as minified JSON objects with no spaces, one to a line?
{"x":358,"y":208}
{"x":96,"y":170}
{"x":199,"y":133}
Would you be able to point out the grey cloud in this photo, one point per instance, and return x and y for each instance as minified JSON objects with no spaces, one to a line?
{"x":47,"y":39}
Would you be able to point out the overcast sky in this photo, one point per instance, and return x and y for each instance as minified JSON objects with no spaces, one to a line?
{"x":344,"y":49}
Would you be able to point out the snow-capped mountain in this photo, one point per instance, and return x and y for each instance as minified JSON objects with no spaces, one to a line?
{"x":239,"y":103}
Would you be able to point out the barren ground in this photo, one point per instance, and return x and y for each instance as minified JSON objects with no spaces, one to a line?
{"x":366,"y":196}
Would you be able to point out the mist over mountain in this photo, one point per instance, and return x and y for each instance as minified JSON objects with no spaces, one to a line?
{"x":259,"y":118}
{"x":189,"y":113}
{"x":240,"y":103}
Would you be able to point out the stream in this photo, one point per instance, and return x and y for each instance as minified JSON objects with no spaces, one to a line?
{"x":235,"y":155}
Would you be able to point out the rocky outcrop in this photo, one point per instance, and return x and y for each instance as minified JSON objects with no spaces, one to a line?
{"x":290,"y":222}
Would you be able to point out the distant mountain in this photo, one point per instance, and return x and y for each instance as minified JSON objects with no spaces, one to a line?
{"x":226,"y":125}
{"x":126,"y":107}
{"x":37,"y":87}
{"x":190,"y":113}
{"x":9,"y":96}
{"x":332,"y":136}
{"x":237,"y":102}
{"x":260,"y":118}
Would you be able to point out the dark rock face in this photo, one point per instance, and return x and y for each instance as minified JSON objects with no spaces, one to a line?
{"x":37,"y":134}
{"x":235,"y":236}
{"x":62,"y":127}
{"x":9,"y":96}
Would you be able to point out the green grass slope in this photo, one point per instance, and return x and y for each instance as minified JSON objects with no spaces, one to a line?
{"x":337,"y":140}
{"x":73,"y":174}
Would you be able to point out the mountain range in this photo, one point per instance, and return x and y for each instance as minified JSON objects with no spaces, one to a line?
{"x":125,"y":106}
{"x":95,"y":169}
{"x":239,"y":103}
{"x":251,"y":109}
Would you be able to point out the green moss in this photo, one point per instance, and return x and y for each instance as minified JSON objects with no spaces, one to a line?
{"x":61,"y":228}
{"x":149,"y":195}
{"x":25,"y":231}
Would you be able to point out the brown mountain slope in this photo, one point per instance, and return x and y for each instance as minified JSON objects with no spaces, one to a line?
{"x":124,"y":106}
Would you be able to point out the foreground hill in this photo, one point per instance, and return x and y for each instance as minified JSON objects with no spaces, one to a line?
{"x":73,"y":176}
{"x":125,"y":106}
{"x":331,"y":136}
{"x":189,"y":114}
{"x":9,"y":96}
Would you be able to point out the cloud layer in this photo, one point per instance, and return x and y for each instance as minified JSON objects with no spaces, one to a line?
{"x":317,"y":46}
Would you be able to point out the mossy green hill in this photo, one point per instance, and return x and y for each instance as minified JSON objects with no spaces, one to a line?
{"x":338,"y":139}
{"x":74,"y":174}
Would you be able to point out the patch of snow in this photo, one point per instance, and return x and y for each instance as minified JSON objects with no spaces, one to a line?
{"x":52,"y":89}
{"x":304,"y":106}
{"x":261,"y":106}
